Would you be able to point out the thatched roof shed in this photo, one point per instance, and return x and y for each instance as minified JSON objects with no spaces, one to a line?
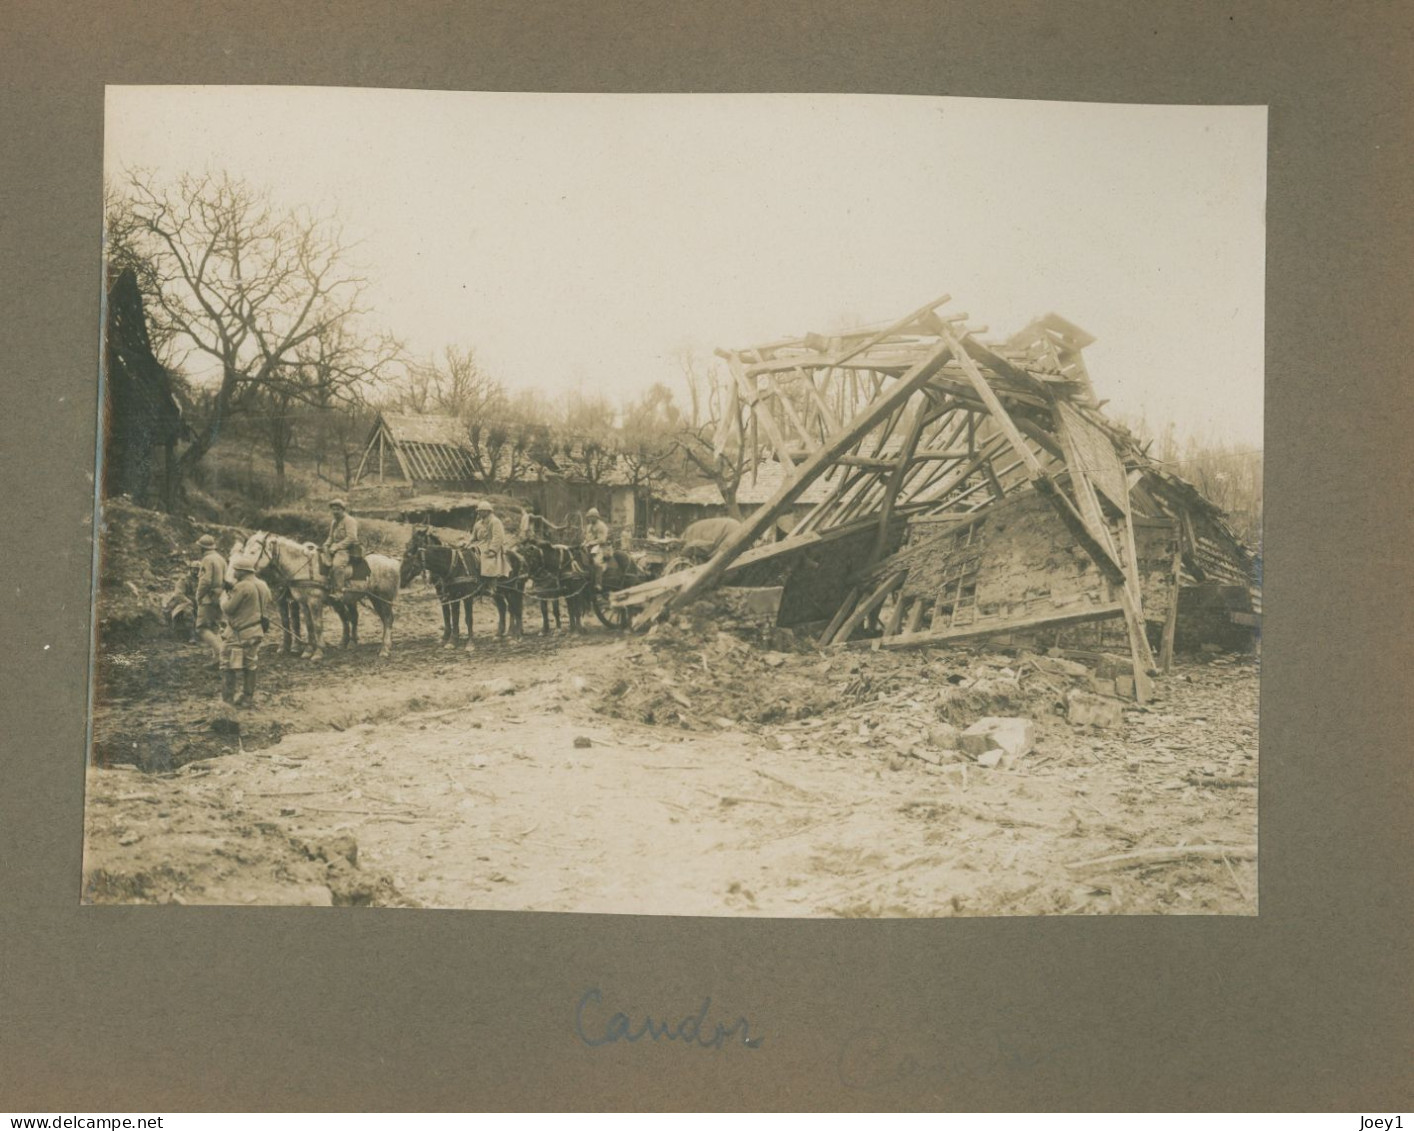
{"x":416,"y":449}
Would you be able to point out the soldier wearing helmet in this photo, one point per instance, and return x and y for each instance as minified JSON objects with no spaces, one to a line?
{"x":339,"y":547}
{"x":247,"y":609}
{"x":596,"y":541}
{"x":210,"y":576}
{"x":488,"y":536}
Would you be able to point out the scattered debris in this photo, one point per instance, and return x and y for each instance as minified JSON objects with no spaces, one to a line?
{"x":1085,"y":708}
{"x":1009,"y":736}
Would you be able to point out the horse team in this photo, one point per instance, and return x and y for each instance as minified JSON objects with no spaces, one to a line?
{"x":551,"y":574}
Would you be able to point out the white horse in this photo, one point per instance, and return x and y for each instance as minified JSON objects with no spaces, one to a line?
{"x":296,"y":565}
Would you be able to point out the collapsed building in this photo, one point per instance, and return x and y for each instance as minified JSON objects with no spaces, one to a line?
{"x":976,"y":492}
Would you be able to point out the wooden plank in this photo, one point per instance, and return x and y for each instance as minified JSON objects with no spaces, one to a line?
{"x":870,"y":462}
{"x":791,"y":414}
{"x":761,"y":413}
{"x":358,"y":475}
{"x":827,"y":418}
{"x":860,"y":614}
{"x":1130,"y":598}
{"x":821,"y":461}
{"x":891,"y":628}
{"x":894,"y":328}
{"x":891,"y":490}
{"x":794,"y":543}
{"x":1171,"y":619}
{"x":976,"y":630}
{"x":841,"y":614}
{"x":1000,"y":416}
{"x":915,"y":615}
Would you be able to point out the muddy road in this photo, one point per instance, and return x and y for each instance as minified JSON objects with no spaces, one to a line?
{"x":693,"y":772}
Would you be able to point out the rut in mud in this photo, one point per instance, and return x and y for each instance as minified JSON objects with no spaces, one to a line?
{"x":703,"y":769}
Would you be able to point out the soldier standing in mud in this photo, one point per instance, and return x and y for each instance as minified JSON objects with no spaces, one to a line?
{"x":211,"y":575}
{"x":343,"y":532}
{"x":247,"y":609}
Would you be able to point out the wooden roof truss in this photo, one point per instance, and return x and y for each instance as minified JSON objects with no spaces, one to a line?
{"x":921,"y":419}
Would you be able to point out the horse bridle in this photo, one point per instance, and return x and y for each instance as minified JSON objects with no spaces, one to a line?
{"x":266,"y":550}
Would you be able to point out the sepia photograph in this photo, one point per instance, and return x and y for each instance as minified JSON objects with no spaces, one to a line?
{"x":786,"y":506}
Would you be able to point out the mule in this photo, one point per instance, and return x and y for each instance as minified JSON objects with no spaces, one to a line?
{"x":295,"y":566}
{"x":455,"y":573}
{"x":555,"y":574}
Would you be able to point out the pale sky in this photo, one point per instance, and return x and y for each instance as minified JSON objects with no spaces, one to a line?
{"x":584,"y":240}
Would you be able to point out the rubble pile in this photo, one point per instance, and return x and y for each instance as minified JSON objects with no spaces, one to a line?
{"x":715,"y":665}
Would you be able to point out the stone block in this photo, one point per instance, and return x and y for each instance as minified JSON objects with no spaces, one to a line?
{"x":762,"y":602}
{"x":1011,"y":735}
{"x":1060,"y":666}
{"x":1085,"y":708}
{"x":1111,"y":666}
{"x":989,"y":759}
{"x":1124,"y":686}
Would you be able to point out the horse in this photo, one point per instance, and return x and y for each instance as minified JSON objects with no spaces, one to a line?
{"x":555,"y":574}
{"x":619,"y":572}
{"x":455,"y":573}
{"x":295,"y":566}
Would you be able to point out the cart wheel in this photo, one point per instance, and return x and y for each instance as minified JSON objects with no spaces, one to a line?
{"x":611,"y":618}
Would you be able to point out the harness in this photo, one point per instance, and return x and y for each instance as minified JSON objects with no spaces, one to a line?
{"x":548,"y":583}
{"x":271,"y":548}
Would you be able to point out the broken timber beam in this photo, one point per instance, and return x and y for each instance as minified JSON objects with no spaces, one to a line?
{"x":861,"y":613}
{"x":1055,"y":619}
{"x":910,"y":442}
{"x":885,"y":404}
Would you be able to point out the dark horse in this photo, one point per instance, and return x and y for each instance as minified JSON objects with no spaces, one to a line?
{"x":619,"y":571}
{"x":556,"y":574}
{"x":455,"y":572}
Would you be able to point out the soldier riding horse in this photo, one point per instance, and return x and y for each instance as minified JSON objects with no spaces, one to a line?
{"x":455,"y":573}
{"x":295,"y":566}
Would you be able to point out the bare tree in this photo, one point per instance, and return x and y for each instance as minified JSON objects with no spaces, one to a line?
{"x":646,"y":435}
{"x":239,"y":283}
{"x":713,"y":439}
{"x":501,"y":452}
{"x":454,"y":385}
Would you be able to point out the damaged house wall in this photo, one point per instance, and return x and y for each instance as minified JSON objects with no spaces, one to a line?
{"x":1025,"y":509}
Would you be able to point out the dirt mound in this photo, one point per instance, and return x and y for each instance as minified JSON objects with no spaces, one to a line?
{"x":713,"y":665}
{"x":148,"y":840}
{"x":144,"y":555}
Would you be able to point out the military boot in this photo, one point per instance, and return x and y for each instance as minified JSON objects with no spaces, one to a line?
{"x":247,"y":695}
{"x":228,"y":686}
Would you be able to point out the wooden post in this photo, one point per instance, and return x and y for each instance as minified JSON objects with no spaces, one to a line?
{"x":761,"y":413}
{"x":1171,"y":621}
{"x":1130,"y":599}
{"x":841,"y":614}
{"x":905,"y":453}
{"x":862,"y":611}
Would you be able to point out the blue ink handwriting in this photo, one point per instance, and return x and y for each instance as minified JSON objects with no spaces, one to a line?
{"x":690,"y":1030}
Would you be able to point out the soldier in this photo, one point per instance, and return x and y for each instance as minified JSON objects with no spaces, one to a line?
{"x":211,"y":574}
{"x":343,"y":533}
{"x":596,"y":541}
{"x":489,"y":538}
{"x":247,"y":609}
